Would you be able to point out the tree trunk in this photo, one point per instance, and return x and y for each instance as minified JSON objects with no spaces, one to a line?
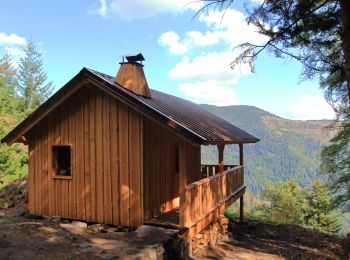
{"x":345,"y":37}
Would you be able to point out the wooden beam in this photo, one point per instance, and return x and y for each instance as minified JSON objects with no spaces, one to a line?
{"x":241,"y":204}
{"x":221,"y":148}
{"x":241,"y":154}
{"x":184,"y":207}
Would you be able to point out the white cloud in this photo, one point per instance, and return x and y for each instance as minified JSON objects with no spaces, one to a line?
{"x":209,"y":92}
{"x":14,"y":51}
{"x":12,"y":39}
{"x":171,"y":41}
{"x":310,"y":107}
{"x":228,"y":27}
{"x":103,"y":8}
{"x":208,"y":76}
{"x":129,"y":10}
{"x":211,"y":66}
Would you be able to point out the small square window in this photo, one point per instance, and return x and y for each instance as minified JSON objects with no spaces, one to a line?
{"x":61,"y":160}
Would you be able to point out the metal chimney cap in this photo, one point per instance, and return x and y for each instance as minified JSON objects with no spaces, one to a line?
{"x":134,"y":58}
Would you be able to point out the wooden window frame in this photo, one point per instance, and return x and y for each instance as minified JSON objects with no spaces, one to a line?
{"x":54,"y":173}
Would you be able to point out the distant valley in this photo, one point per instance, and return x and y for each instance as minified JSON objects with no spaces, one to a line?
{"x":287,"y":148}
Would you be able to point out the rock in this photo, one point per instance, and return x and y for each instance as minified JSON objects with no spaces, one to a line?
{"x":32,"y":216}
{"x":111,"y":230}
{"x":79,"y":224}
{"x":84,"y":245}
{"x":95,"y":250}
{"x":23,"y":183}
{"x":108,"y":256}
{"x":96,"y":228}
{"x":55,"y":219}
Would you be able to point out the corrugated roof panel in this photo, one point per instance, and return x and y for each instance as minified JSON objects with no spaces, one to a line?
{"x":188,"y":115}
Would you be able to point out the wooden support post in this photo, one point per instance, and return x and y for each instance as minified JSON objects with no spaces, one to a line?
{"x":241,"y":154}
{"x":221,"y":148}
{"x":241,"y":204}
{"x":184,"y":216}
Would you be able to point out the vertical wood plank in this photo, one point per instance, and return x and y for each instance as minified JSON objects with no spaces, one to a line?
{"x":114,"y":161}
{"x":51,"y":189}
{"x":31,"y":176}
{"x":72,"y":184}
{"x":167,"y":183}
{"x":135,"y":176}
{"x":153,"y":170}
{"x":124,"y":164}
{"x":156,"y":171}
{"x":184,"y":213}
{"x":141,"y":170}
{"x":99,"y":159}
{"x":87,"y":169}
{"x":38,"y":171}
{"x":79,"y":149}
{"x":64,"y":141}
{"x":44,"y":173}
{"x":146,"y":163}
{"x":107,"y":194}
{"x":57,"y":140}
{"x":92,"y":138}
{"x":162,"y":170}
{"x":241,"y":160}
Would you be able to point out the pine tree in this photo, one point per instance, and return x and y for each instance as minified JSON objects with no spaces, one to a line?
{"x":283,"y":203}
{"x":8,"y":83}
{"x":13,"y":160}
{"x":318,"y":210}
{"x":33,"y":85}
{"x":335,"y":159}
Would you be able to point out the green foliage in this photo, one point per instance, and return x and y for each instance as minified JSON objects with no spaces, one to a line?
{"x":336,"y":165}
{"x":318,"y":210}
{"x":32,"y":79}
{"x":21,"y":92}
{"x":284,"y":203}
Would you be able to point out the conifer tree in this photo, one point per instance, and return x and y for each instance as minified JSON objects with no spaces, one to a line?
{"x":8,"y":84}
{"x":318,"y":210}
{"x":283,"y":203}
{"x":33,"y":85}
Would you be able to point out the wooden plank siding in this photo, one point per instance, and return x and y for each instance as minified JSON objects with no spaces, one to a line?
{"x":161,"y":182}
{"x":105,"y":137}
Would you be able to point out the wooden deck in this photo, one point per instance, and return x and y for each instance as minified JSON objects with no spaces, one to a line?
{"x":169,"y":219}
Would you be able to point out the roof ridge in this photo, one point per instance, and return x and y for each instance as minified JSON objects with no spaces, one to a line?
{"x":152,"y":89}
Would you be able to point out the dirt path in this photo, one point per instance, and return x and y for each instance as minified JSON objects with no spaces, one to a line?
{"x":22,"y":238}
{"x":266,"y":241}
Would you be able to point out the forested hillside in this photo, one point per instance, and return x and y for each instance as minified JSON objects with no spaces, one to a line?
{"x":287,"y":148}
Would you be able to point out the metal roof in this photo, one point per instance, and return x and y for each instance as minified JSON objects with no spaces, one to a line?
{"x":187,"y":118}
{"x":190,"y":116}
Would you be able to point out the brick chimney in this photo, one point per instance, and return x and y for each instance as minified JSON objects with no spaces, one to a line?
{"x":132,"y":77}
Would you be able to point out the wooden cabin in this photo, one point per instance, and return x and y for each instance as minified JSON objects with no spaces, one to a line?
{"x":111,"y":150}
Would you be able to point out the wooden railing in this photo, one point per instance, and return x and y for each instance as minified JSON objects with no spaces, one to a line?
{"x":212,"y":169}
{"x":207,"y":198}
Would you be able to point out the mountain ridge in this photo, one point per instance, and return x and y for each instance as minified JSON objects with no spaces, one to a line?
{"x":287,"y":148}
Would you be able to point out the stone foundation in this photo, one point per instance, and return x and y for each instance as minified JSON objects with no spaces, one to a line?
{"x":211,"y":234}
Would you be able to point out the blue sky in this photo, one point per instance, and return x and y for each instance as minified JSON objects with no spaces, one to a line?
{"x":185,"y":57}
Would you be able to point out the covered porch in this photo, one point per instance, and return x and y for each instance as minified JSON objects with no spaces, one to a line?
{"x":202,"y":201}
